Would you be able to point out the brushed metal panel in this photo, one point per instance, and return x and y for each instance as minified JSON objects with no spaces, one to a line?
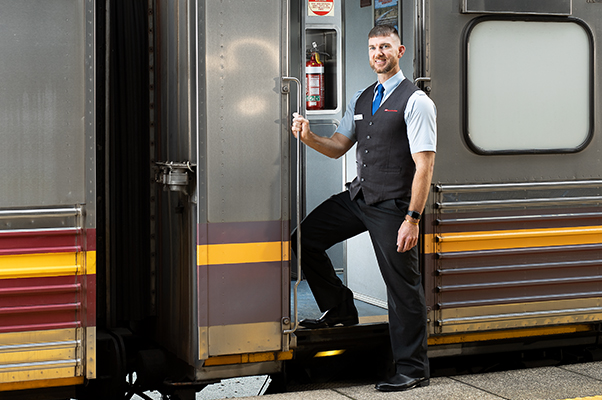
{"x":456,"y":163}
{"x":246,"y":232}
{"x":36,"y":337}
{"x":244,"y":139}
{"x":203,"y":333}
{"x":90,"y":352}
{"x":244,"y":338}
{"x":43,"y":102}
{"x":541,"y":7}
{"x":243,"y":293}
{"x":51,"y":370}
{"x":520,"y":315}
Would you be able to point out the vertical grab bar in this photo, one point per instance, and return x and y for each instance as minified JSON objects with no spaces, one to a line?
{"x":295,"y":325}
{"x":421,"y":68}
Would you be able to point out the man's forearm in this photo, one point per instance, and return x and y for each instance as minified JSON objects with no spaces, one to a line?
{"x":329,"y":146}
{"x":421,"y":184}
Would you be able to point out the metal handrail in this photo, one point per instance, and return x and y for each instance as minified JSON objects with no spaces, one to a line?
{"x":519,"y":202}
{"x":295,"y":324}
{"x":491,"y":187}
{"x":42,"y":212}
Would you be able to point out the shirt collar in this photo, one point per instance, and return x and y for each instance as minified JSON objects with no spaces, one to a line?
{"x":392,"y":83}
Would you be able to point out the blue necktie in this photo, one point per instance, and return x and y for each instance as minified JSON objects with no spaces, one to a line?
{"x":377,"y":99}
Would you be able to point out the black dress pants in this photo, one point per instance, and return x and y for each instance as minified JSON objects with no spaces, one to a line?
{"x":340,"y":218}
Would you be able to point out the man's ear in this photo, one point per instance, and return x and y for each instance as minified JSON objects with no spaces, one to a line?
{"x":402,"y":49}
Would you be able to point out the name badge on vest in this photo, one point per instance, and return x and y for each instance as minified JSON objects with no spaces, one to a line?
{"x":358,"y":117}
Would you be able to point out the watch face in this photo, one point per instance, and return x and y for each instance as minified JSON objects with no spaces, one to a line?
{"x":414,"y":214}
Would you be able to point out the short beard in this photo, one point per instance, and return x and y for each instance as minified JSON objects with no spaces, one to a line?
{"x":388,"y":67}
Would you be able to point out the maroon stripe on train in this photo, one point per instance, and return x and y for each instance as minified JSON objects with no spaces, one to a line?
{"x":243,"y":232}
{"x":91,"y":239}
{"x":46,"y":282}
{"x":240,"y":293}
{"x":50,"y":316}
{"x":39,"y":290}
{"x":91,"y":300}
{"x":40,"y":250}
{"x":50,"y":241}
{"x":39,"y":308}
{"x":40,"y":327}
{"x":46,"y":303}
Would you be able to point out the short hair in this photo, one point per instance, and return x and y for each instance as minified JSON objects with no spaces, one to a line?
{"x":383,"y":30}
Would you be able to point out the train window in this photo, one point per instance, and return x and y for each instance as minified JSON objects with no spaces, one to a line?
{"x":528,"y":85}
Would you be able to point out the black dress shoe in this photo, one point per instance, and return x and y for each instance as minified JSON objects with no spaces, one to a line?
{"x":344,"y":314}
{"x":400,"y":382}
{"x":327,"y":320}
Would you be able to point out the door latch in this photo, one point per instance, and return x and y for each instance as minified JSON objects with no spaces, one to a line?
{"x":174,"y":176}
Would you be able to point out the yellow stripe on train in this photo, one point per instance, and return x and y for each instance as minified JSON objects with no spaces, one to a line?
{"x":46,"y":358}
{"x":242,"y":253}
{"x":493,"y":240}
{"x":47,"y":265}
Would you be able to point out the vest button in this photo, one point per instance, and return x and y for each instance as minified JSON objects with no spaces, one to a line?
{"x":366,"y":151}
{"x":363,"y":179}
{"x":368,"y":137}
{"x":370,"y":123}
{"x":365,"y":165}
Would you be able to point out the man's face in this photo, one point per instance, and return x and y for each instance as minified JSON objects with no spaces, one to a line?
{"x":384,"y":53}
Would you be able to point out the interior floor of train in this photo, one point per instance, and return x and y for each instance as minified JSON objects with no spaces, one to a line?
{"x":307,"y":307}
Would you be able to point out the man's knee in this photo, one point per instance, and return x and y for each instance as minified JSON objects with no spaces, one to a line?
{"x":308,"y":242}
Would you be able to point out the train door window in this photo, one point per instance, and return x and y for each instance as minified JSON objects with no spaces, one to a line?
{"x":528,"y":85}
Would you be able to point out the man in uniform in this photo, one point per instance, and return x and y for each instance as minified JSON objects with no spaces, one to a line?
{"x":394,"y":125}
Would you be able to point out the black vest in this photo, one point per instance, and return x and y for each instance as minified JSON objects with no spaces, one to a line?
{"x":385,"y":168}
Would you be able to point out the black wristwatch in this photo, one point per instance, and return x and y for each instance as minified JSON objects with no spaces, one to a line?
{"x":414,"y":214}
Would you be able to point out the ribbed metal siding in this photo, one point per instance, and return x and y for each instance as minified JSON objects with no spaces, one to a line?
{"x":499,"y":247}
{"x":43,"y":294}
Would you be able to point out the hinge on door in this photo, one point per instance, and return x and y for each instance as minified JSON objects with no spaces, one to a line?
{"x":174,"y":176}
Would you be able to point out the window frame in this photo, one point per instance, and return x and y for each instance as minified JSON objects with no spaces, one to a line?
{"x":465,"y":90}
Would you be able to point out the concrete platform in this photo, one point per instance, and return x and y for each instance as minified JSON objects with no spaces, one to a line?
{"x":579,"y":381}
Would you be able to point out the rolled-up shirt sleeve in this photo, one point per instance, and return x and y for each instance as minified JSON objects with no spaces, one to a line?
{"x":421,"y":120}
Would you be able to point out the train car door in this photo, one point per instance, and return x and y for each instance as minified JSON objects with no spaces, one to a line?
{"x":513,"y":237}
{"x":47,"y":200}
{"x":223,"y":158}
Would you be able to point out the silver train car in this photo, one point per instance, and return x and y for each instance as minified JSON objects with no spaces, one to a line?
{"x":151,"y":183}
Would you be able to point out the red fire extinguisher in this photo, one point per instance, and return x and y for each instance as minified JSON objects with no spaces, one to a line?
{"x":314,"y":81}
